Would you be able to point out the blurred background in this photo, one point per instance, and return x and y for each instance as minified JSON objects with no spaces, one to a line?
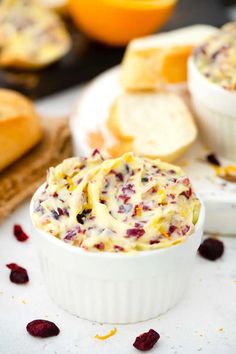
{"x":57,"y":44}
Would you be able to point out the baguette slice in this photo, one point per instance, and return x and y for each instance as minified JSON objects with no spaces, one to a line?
{"x":154,"y":124}
{"x":158,"y":59}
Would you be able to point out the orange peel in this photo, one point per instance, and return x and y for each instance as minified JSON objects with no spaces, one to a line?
{"x":108,"y":335}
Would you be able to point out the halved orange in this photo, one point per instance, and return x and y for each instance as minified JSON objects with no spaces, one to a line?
{"x":116,"y":22}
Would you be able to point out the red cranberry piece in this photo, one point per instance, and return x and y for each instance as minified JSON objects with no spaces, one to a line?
{"x":136,"y":232}
{"x":18,"y":274}
{"x":154,"y":241}
{"x":146,"y":208}
{"x":95,"y":152}
{"x":118,"y":175}
{"x":185,"y":229}
{"x":100,"y":246}
{"x":172,"y":229}
{"x":118,"y":248}
{"x":128,"y":188}
{"x":187,"y":193}
{"x":211,"y":249}
{"x":211,"y":158}
{"x":125,"y":198}
{"x":146,"y":340}
{"x":19,"y":233}
{"x":82,"y":216}
{"x":42,"y":328}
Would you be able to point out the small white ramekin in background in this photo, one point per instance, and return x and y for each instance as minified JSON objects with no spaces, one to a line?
{"x":215,"y":109}
{"x":116,"y":287}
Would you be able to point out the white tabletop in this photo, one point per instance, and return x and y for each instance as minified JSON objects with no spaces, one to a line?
{"x":203,"y":322}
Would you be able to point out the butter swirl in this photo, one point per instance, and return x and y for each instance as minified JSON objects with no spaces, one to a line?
{"x":117,"y":205}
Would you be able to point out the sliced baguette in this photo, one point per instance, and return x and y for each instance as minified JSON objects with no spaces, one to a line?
{"x":153,"y":60}
{"x":154,"y":124}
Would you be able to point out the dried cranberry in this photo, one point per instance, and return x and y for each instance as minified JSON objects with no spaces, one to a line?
{"x":172,"y":229}
{"x":95,"y":152}
{"x":128,"y":188}
{"x":146,"y":207}
{"x":136,"y":232}
{"x":118,"y":175}
{"x":154,"y":241}
{"x":125,"y":198}
{"x":118,"y":248}
{"x":146,"y":340}
{"x":18,"y":274}
{"x":185,"y":229}
{"x":144,"y":179}
{"x":187,"y":194}
{"x":19,"y":233}
{"x":211,"y":158}
{"x":42,"y":328}
{"x":81,"y":217}
{"x":100,"y":246}
{"x":153,"y":190}
{"x":211,"y":249}
{"x":57,"y":213}
{"x":127,"y":168}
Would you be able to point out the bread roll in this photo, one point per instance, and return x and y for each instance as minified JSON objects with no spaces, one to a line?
{"x":20,"y":127}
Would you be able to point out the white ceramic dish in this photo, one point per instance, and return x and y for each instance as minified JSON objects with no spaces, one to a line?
{"x":215,"y":110}
{"x":113,"y":287}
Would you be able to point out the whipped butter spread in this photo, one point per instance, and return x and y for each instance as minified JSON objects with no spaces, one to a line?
{"x":117,"y":205}
{"x":216,"y":58}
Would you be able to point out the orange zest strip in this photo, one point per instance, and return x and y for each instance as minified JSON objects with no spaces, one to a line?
{"x":165,"y":234}
{"x":110,"y":334}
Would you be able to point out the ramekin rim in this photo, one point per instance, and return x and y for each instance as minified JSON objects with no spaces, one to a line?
{"x":124,"y":255}
{"x":212,"y":85}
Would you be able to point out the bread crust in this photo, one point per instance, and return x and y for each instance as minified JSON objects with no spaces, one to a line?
{"x":20,"y":127}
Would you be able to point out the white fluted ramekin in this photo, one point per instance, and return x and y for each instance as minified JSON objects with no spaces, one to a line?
{"x":215,"y":109}
{"x":116,"y":287}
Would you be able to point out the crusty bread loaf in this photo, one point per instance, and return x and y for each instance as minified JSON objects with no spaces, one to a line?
{"x":20,"y":127}
{"x":20,"y":180}
{"x":152,"y":124}
{"x":153,"y":60}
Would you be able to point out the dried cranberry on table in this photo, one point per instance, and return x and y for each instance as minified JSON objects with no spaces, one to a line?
{"x":211,"y":158}
{"x":18,"y":274}
{"x":146,"y":340}
{"x":42,"y":328}
{"x":211,"y":249}
{"x":19,"y":233}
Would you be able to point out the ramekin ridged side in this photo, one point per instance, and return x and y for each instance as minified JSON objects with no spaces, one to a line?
{"x":116,"y":288}
{"x":215,"y":109}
